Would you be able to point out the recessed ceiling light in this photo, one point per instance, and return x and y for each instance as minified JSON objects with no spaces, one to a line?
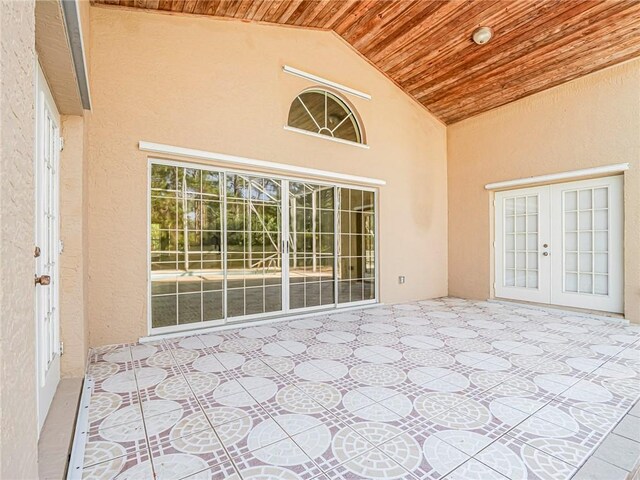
{"x":482,"y":35}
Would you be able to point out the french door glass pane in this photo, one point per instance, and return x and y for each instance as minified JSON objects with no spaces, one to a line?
{"x":356,"y":245}
{"x":311,"y":245}
{"x":586,"y":240}
{"x":254,"y":255}
{"x":521,"y":230}
{"x":186,"y":257}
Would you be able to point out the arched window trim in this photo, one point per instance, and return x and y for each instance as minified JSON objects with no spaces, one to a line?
{"x":352,"y":113}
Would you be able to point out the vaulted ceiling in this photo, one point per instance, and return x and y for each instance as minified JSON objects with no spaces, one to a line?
{"x":425,"y":46}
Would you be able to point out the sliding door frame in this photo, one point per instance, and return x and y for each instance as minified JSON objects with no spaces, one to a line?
{"x":285,"y":214}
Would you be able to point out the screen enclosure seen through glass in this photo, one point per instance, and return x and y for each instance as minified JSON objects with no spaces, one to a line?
{"x":231,"y":246}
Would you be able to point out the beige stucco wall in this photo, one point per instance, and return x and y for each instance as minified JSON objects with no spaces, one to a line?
{"x":219,"y":86}
{"x":588,"y":122}
{"x":74,"y":326}
{"x":74,"y":329}
{"x":18,"y":422}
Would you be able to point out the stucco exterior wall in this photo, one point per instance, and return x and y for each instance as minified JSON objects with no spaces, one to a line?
{"x":219,"y":86}
{"x":18,"y":419}
{"x":588,"y":122}
{"x":74,"y":329}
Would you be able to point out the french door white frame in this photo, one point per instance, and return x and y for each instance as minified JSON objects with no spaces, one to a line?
{"x":614,"y":300}
{"x":552,"y":266}
{"x":47,"y":238}
{"x":285,"y":311}
{"x":541,"y":294}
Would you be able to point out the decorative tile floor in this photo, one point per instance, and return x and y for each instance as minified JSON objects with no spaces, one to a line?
{"x":445,"y":388}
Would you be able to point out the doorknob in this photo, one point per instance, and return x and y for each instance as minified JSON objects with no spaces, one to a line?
{"x":545,"y":245}
{"x":546,"y":254}
{"x":43,"y":280}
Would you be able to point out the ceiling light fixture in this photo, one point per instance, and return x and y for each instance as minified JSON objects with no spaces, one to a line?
{"x":482,"y":35}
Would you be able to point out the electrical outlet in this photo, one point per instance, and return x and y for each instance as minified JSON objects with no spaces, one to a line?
{"x":401,"y":279}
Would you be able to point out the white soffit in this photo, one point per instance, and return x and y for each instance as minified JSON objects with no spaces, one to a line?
{"x":554,"y":177}
{"x":222,"y":158}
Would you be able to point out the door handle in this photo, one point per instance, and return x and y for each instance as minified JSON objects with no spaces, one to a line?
{"x":546,"y":254}
{"x":43,"y":280}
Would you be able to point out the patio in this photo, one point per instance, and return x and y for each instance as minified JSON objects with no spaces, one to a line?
{"x":286,"y":239}
{"x":445,"y":388}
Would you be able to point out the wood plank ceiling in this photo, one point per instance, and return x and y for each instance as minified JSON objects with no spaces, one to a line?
{"x":425,"y":46}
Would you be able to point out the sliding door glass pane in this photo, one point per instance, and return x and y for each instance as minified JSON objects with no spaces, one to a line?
{"x":254,"y":256}
{"x":186,"y":257}
{"x":356,"y":245}
{"x":311,"y":245}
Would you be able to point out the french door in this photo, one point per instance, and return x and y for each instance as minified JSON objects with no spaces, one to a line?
{"x":562,"y":244}
{"x":228,"y":246}
{"x":47,"y":250}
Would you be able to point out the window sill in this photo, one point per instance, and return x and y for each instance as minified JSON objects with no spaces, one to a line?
{"x":325,"y":137}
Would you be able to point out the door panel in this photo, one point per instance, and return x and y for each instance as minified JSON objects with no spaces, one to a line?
{"x":356,"y":245}
{"x":48,"y":242}
{"x":588,"y":244}
{"x":311,"y":245}
{"x":185,"y":238}
{"x":254,"y":240}
{"x":562,"y":244}
{"x":521,"y":259}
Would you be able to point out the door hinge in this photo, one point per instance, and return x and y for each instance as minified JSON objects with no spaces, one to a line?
{"x":61,"y":348}
{"x":60,"y":246}
{"x":60,"y":143}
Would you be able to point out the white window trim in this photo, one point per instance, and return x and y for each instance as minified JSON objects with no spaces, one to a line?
{"x":324,"y":81}
{"x":325,"y":137}
{"x":223,"y":158}
{"x":565,"y":176}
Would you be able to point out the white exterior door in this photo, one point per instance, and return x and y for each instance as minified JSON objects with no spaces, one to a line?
{"x":587,"y":259}
{"x":521,"y":241}
{"x":47,"y":249}
{"x":562,"y":244}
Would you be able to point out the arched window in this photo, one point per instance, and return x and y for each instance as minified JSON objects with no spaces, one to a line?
{"x":323,"y":112}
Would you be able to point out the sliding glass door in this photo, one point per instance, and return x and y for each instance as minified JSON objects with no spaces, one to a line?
{"x":311,"y":245}
{"x":228,"y":246}
{"x":254,"y":240}
{"x":186,"y":255}
{"x":356,"y":248}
